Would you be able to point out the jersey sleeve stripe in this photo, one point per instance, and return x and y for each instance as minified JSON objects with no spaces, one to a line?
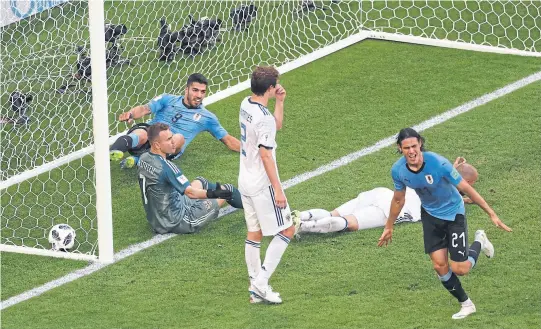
{"x":173,"y":167}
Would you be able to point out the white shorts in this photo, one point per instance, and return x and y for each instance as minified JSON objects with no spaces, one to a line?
{"x":261,"y":213}
{"x":371,"y":208}
{"x":367,"y":208}
{"x":367,"y":216}
{"x":378,"y":197}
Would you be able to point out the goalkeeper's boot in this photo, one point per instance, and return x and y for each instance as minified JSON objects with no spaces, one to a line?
{"x":466,"y":308}
{"x":128,"y":163}
{"x":486,"y":246}
{"x":115,"y":155}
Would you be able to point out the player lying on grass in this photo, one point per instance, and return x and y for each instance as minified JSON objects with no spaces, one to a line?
{"x":371,"y":209}
{"x":173,"y":204}
{"x":186,"y":116}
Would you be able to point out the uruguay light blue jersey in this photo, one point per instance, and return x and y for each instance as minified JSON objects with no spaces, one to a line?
{"x":435,"y":184}
{"x":189,"y":122}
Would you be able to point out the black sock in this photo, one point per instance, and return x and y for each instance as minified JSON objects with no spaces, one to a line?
{"x":123,"y":143}
{"x":475,"y":250}
{"x":452,"y":284}
{"x":236,"y":200}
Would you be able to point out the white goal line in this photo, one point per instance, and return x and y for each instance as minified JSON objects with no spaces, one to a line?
{"x":133,"y":249}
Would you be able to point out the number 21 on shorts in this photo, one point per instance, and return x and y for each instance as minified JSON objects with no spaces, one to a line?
{"x":455,"y":237}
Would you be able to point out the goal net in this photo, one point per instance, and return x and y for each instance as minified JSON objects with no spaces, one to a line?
{"x":47,"y":166}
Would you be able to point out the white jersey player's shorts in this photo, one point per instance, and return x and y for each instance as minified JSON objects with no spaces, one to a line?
{"x":371,"y":208}
{"x":261,"y":213}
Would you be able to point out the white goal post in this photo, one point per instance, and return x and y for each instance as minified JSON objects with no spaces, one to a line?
{"x":54,"y":164}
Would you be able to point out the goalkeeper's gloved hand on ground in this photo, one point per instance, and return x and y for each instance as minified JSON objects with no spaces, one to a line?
{"x":218,"y":193}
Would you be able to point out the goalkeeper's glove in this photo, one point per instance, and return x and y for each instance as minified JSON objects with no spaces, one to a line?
{"x":218,"y":193}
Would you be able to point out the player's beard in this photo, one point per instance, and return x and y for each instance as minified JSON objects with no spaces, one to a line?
{"x":192,"y":100}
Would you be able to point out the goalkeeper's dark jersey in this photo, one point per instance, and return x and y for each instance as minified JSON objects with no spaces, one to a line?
{"x":162,"y":187}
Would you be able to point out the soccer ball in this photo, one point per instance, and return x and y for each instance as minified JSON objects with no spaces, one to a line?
{"x":62,"y":237}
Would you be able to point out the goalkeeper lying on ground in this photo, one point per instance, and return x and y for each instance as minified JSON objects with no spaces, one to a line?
{"x":172,"y":204}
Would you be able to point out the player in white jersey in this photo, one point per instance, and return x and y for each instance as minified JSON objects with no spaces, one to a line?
{"x":371,"y":209}
{"x":265,"y":205}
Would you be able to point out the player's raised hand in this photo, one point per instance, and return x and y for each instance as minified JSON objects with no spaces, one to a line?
{"x":459,"y":161}
{"x":386,"y":237}
{"x":280,"y":199}
{"x":280,"y":93}
{"x":126,"y":116}
{"x":496,"y":220}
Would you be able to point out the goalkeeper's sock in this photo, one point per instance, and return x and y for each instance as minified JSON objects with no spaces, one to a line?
{"x":123,"y":143}
{"x":236,"y":200}
{"x":324,"y":225}
{"x":314,"y":214}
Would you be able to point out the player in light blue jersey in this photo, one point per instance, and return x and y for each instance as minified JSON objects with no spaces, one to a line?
{"x":445,"y":231}
{"x":186,"y":116}
{"x":370,"y":209}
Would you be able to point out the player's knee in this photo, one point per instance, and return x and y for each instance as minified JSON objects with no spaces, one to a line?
{"x":179,"y":141}
{"x":441,"y":268}
{"x":460,"y":268}
{"x":197,"y":184}
{"x":255,"y":236}
{"x":289,"y":232}
{"x":142,"y":134}
{"x":353,"y":225}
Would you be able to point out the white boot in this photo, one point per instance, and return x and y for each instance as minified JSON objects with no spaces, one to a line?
{"x":466,"y":309}
{"x":486,"y":246}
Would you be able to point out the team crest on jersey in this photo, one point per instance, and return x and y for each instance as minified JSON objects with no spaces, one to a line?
{"x":429,"y":179}
{"x":197,"y":117}
{"x":455,"y":174}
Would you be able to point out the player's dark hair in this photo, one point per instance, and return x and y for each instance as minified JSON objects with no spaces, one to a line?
{"x":197,"y":77}
{"x":409,"y":133}
{"x":263,"y":78}
{"x":153,"y":132}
